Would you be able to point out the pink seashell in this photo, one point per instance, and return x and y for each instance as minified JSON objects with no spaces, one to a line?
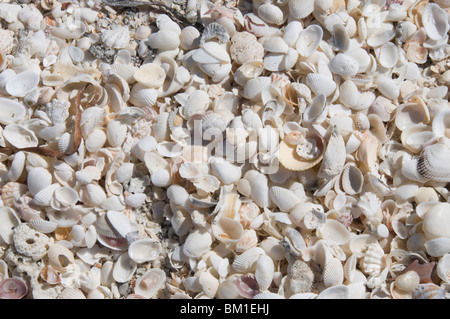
{"x":13,"y":288}
{"x":247,"y":286}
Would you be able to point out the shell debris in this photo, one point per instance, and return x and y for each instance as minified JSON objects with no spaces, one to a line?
{"x":224,"y":149}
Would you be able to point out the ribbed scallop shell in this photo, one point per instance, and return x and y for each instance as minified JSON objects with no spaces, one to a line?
{"x":333,"y":273}
{"x":433,"y":162}
{"x":246,"y":261}
{"x":344,"y":65}
{"x":300,"y":9}
{"x":271,"y":14}
{"x":264,"y":271}
{"x":284,"y":198}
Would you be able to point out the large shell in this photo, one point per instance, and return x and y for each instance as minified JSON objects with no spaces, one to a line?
{"x":291,"y":159}
{"x":308,"y":40}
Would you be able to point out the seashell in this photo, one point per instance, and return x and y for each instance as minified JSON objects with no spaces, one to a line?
{"x":248,"y":240}
{"x":352,"y":180}
{"x":124,"y":269}
{"x":333,"y":273}
{"x":144,"y":250}
{"x":320,"y":84}
{"x":69,"y":30}
{"x":71,"y":293}
{"x":208,"y":283}
{"x":197,"y":243}
{"x":271,"y":14}
{"x":431,"y":163}
{"x":116,"y":133}
{"x":60,"y":257}
{"x":408,"y":281}
{"x":410,"y":114}
{"x":309,"y":40}
{"x":442,"y":268}
{"x":150,"y":75}
{"x":317,"y":111}
{"x":64,"y":198}
{"x":227,"y":230}
{"x":334,"y":292}
{"x":13,"y":288}
{"x":246,"y":261}
{"x":197,"y":103}
{"x":441,"y":124}
{"x":438,"y":247}
{"x":254,"y":87}
{"x":264,"y":272}
{"x":117,"y":38}
{"x":38,"y":179}
{"x":311,"y":153}
{"x":334,"y":231}
{"x":22,"y":83}
{"x":43,"y":226}
{"x":9,"y":222}
{"x":435,"y":22}
{"x":344,"y":65}
{"x":380,"y":37}
{"x":31,"y":17}
{"x":284,"y":198}
{"x":388,"y":55}
{"x":11,"y":111}
{"x":428,"y":291}
{"x":300,"y":9}
{"x":340,"y":38}
{"x":164,"y":40}
{"x":226,"y":172}
{"x":246,"y":286}
{"x":334,"y":157}
{"x":189,"y":38}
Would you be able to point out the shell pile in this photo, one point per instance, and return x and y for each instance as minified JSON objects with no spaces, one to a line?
{"x":197,"y":149}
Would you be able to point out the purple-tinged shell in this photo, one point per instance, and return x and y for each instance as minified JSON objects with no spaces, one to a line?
{"x":13,"y":288}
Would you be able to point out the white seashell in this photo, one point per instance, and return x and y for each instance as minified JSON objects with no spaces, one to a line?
{"x":22,"y":83}
{"x":95,"y":140}
{"x":150,"y":283}
{"x":124,"y":268}
{"x":340,"y":38}
{"x":150,"y":75}
{"x":333,"y":273}
{"x":334,"y":231}
{"x":135,"y":200}
{"x":227,"y":230}
{"x":197,"y":103}
{"x":443,"y":268}
{"x":334,"y":157}
{"x":143,"y":250}
{"x":408,"y":281}
{"x":164,"y":40}
{"x":246,"y":262}
{"x":9,"y":221}
{"x":320,"y":84}
{"x":352,"y":180}
{"x":116,"y":133}
{"x":268,"y":295}
{"x":11,"y":111}
{"x":177,"y":195}
{"x":125,"y":71}
{"x":271,"y":14}
{"x":432,"y":162}
{"x":344,"y":65}
{"x":276,"y":44}
{"x":388,"y":55}
{"x":380,"y":37}
{"x":69,"y":30}
{"x":317,"y":111}
{"x":264,"y":272}
{"x":189,"y":38}
{"x":438,"y":247}
{"x":226,"y":172}
{"x":284,"y":198}
{"x":38,"y":179}
{"x":44,"y":197}
{"x":59,"y":257}
{"x":119,"y":222}
{"x":300,"y":9}
{"x":117,"y":38}
{"x":441,"y":124}
{"x":435,"y":21}
{"x":309,"y":40}
{"x":197,"y":243}
{"x":17,"y":166}
{"x":71,"y":293}
{"x":334,"y":292}
{"x":64,"y":198}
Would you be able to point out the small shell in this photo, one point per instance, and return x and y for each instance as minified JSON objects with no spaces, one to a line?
{"x":284,"y":198}
{"x":19,"y":136}
{"x":271,"y":13}
{"x":60,"y":257}
{"x":189,"y":38}
{"x":300,"y":9}
{"x":408,"y":281}
{"x":71,"y":293}
{"x":441,"y":124}
{"x":150,"y":75}
{"x":264,"y":271}
{"x":246,"y":262}
{"x":334,"y":292}
{"x":333,"y":273}
{"x":13,"y":288}
{"x":309,"y":40}
{"x":320,"y":84}
{"x":438,"y":247}
{"x":432,"y":163}
{"x":428,"y":291}
{"x":247,"y":286}
{"x":388,"y":55}
{"x":144,"y":250}
{"x":11,"y":111}
{"x":344,"y":65}
{"x":197,"y":243}
{"x":150,"y":283}
{"x":9,"y":221}
{"x":334,"y":231}
{"x":124,"y":268}
{"x":290,"y":158}
{"x":164,"y":40}
{"x":352,"y":180}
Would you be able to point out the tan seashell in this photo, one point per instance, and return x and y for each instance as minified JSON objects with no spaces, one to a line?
{"x":60,"y":257}
{"x":150,"y":75}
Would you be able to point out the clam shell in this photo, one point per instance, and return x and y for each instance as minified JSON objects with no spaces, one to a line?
{"x":227,"y":230}
{"x":333,"y":273}
{"x":197,"y":243}
{"x":441,"y":124}
{"x":38,"y":179}
{"x":432,"y":163}
{"x":124,"y":268}
{"x":344,"y":65}
{"x":19,"y":136}
{"x":150,"y":75}
{"x":320,"y":84}
{"x":13,"y":288}
{"x":443,"y":268}
{"x":164,"y":40}
{"x":246,"y":262}
{"x":143,"y":250}
{"x":334,"y":292}
{"x":264,"y":272}
{"x":388,"y":55}
{"x":334,"y":231}
{"x":11,"y":111}
{"x":284,"y":198}
{"x":271,"y":14}
{"x":309,"y":40}
{"x":22,"y":83}
{"x":352,"y":180}
{"x":150,"y":283}
{"x":435,"y":21}
{"x":8,"y":222}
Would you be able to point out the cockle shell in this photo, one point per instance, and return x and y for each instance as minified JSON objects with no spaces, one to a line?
{"x":428,"y":291}
{"x":333,"y":273}
{"x":271,"y":13}
{"x":344,"y":65}
{"x":197,"y":243}
{"x":301,"y":9}
{"x":246,"y":261}
{"x":431,"y":163}
{"x":320,"y":84}
{"x":264,"y":271}
{"x":284,"y":198}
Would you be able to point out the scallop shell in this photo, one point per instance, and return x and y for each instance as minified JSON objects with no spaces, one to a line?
{"x":333,"y":273}
{"x":264,"y":272}
{"x":432,"y":163}
{"x":246,"y":261}
{"x":197,"y":243}
{"x":300,"y":9}
{"x":320,"y":84}
{"x":271,"y":14}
